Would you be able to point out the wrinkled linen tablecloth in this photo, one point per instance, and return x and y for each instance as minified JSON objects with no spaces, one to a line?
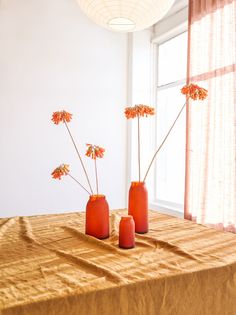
{"x":49,"y":266}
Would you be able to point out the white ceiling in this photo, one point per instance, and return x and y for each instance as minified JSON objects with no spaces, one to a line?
{"x":177,"y":6}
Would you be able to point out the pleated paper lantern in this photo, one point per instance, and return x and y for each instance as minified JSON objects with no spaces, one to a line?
{"x":125,"y":15}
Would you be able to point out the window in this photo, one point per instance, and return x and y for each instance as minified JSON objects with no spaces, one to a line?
{"x":157,"y":72}
{"x":170,"y":162}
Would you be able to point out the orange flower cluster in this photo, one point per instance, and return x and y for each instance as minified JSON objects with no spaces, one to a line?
{"x":60,"y":171}
{"x":61,"y":116}
{"x":194,"y":91}
{"x":138,"y":111}
{"x":94,"y":151}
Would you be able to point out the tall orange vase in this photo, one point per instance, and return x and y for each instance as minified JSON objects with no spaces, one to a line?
{"x":138,"y":206}
{"x":97,"y":217}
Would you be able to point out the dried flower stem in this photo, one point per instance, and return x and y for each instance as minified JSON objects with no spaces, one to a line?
{"x":79,"y":183}
{"x":96,"y":172}
{"x":139,"y":155}
{"x":81,"y":161}
{"x":164,"y":140}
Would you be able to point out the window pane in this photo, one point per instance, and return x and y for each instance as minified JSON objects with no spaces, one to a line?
{"x":170,"y":163}
{"x":172,"y":60}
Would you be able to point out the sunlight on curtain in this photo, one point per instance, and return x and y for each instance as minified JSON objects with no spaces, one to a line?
{"x":210,"y":195}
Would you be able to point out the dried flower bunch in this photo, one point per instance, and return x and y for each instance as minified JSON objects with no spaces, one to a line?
{"x":191,"y":91}
{"x":93,"y":151}
{"x":61,"y":116}
{"x":139,"y":111}
{"x":60,"y":171}
{"x":194,"y":92}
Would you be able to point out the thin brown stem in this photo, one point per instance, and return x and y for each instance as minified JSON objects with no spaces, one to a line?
{"x":79,"y":184}
{"x":81,"y":161}
{"x":164,"y":140}
{"x":96,"y":172}
{"x":139,"y":155}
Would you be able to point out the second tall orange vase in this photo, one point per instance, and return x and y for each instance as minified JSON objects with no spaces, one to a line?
{"x":138,"y":206}
{"x":97,"y":217}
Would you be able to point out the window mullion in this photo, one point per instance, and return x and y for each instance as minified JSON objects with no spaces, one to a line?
{"x":170,"y":85}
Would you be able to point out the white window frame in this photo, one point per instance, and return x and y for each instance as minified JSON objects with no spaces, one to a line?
{"x":167,"y":29}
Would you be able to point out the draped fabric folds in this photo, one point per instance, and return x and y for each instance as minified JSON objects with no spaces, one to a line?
{"x":49,"y":266}
{"x":210,"y":194}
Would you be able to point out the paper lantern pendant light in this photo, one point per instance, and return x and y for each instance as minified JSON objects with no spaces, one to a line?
{"x":125,"y":15}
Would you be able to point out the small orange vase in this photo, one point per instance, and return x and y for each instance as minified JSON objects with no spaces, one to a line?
{"x":126,"y":232}
{"x":97,"y":217}
{"x":138,"y":206}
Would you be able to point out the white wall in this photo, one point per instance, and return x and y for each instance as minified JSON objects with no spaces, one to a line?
{"x":52,"y":57}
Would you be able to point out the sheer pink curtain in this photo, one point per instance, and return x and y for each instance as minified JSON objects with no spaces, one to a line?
{"x":210,"y":196}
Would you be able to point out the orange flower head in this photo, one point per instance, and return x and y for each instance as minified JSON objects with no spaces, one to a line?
{"x":94,"y":151}
{"x":139,"y":111}
{"x":194,"y":92}
{"x":61,"y":170}
{"x":61,"y":116}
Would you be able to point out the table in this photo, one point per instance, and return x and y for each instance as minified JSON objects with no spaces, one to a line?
{"x":49,"y":266}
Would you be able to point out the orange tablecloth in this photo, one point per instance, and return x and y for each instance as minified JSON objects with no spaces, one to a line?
{"x":48,"y":266}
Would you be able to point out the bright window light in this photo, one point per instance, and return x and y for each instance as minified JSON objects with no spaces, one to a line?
{"x":170,"y":163}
